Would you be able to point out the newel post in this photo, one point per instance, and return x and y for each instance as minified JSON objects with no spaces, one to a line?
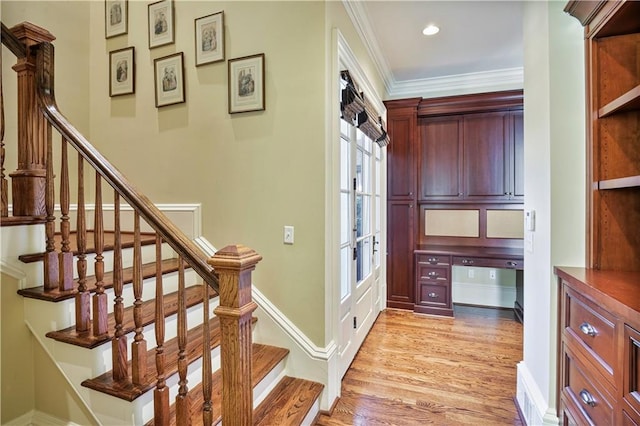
{"x":234,"y":265}
{"x":28,"y":182}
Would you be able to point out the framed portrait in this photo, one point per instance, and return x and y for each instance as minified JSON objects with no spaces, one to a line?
{"x":209,"y":38}
{"x":246,"y":84}
{"x":169,"y":80}
{"x":122,"y":72}
{"x":161,"y":23}
{"x":115,"y":17}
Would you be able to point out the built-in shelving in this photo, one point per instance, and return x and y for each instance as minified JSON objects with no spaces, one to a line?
{"x":625,"y":182}
{"x":629,"y":101}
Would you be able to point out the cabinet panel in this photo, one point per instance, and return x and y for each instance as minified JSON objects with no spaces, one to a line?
{"x":441,"y":158}
{"x":631,"y":387}
{"x":486,"y":155}
{"x":517,"y":155}
{"x":400,"y":245}
{"x":401,"y":157}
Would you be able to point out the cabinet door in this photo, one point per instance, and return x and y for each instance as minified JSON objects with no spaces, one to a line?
{"x":486,"y":138}
{"x":400,"y":245}
{"x":517,"y":156}
{"x":401,"y":175}
{"x":441,"y":159}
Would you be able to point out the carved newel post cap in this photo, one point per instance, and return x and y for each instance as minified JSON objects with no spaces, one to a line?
{"x":236,"y":257}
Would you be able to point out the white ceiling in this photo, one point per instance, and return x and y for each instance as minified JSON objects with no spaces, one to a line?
{"x":478,"y":49}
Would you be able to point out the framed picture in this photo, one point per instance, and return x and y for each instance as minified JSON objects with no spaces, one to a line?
{"x":209,"y":38}
{"x":115,"y":17}
{"x":122,"y":72}
{"x":161,"y":23}
{"x":246,"y":84}
{"x":169,"y":80}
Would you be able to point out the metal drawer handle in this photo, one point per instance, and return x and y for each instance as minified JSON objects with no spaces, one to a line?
{"x":511,"y":264}
{"x":432,"y":274}
{"x":433,"y":260}
{"x":467,"y":262}
{"x":588,"y":329}
{"x":587,"y":398}
{"x":433,"y":295}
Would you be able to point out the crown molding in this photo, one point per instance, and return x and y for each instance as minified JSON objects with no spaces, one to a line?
{"x":459,"y":84}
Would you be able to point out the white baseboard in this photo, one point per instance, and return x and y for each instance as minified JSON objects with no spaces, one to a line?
{"x":535,"y":409}
{"x":38,"y":418}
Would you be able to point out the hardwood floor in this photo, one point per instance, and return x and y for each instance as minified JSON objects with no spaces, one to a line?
{"x":418,"y":370}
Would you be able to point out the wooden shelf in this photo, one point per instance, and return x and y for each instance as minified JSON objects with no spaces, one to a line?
{"x":625,"y":182}
{"x":629,"y":101}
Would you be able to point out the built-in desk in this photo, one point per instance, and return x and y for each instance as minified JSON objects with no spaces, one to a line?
{"x":433,"y":273}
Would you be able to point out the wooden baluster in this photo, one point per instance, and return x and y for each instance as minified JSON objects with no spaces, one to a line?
{"x":65,"y":255}
{"x":119,"y":342}
{"x":4,"y":207}
{"x":83,"y":307}
{"x":139,"y":345}
{"x":207,"y":384}
{"x":99,"y":298}
{"x":183,"y":412}
{"x":161,"y":392}
{"x":51,"y":273}
{"x":234,"y":265}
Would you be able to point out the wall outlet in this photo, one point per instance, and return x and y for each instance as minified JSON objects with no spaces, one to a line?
{"x":492,"y":274}
{"x":288,"y":235}
{"x":471,"y":272}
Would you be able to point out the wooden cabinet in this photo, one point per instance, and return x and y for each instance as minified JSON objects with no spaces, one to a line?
{"x":433,"y":283}
{"x":472,"y":157}
{"x":600,"y":305}
{"x":400,"y":245}
{"x":599,"y":346}
{"x":401,"y":154}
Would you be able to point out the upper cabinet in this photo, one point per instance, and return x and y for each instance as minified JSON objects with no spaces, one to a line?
{"x":612,"y":32}
{"x":475,"y":157}
{"x":401,"y":154}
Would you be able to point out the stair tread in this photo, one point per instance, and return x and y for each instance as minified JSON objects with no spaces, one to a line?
{"x":288,"y":403}
{"x":55,"y":295}
{"x":128,"y":391}
{"x":126,"y":239}
{"x":264,"y":359}
{"x":87,"y":340}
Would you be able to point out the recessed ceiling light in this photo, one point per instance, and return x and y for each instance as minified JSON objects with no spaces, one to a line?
{"x":430,"y":30}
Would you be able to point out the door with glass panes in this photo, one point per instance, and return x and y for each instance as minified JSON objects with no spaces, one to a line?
{"x":360,"y":198}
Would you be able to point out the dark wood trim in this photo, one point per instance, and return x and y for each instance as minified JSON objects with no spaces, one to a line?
{"x":170,"y":233}
{"x":402,"y":103}
{"x":479,"y":102}
{"x":23,"y":220}
{"x":13,"y":43}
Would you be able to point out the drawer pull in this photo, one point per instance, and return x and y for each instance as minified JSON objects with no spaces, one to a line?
{"x":587,"y":398}
{"x":433,"y":295}
{"x":433,"y":260}
{"x":512,"y":264}
{"x":588,"y":329}
{"x":432,"y":274}
{"x":467,"y":261}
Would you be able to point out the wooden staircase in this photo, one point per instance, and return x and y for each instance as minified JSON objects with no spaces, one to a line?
{"x":126,"y":314}
{"x":289,"y":401}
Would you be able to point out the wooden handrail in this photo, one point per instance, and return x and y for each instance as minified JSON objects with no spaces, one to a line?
{"x":13,"y":43}
{"x":173,"y":236}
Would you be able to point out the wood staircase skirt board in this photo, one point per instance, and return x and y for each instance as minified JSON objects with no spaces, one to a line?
{"x":128,"y":391}
{"x":264,"y":359}
{"x":55,"y":295}
{"x":22,"y":220}
{"x":86,"y":340}
{"x":288,"y":403}
{"x":126,"y":237}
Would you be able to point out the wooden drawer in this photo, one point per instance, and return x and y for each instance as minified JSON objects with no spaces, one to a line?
{"x":570,"y":414}
{"x":594,"y":330}
{"x":434,"y":294}
{"x":432,"y":273}
{"x":586,"y":393}
{"x":433,"y":259}
{"x":485,"y":262}
{"x":630,"y":418}
{"x":631,"y":368}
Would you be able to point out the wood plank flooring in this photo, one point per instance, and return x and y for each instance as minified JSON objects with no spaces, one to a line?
{"x":421,"y":370}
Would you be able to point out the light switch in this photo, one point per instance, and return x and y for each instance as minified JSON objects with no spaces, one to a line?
{"x":288,"y":234}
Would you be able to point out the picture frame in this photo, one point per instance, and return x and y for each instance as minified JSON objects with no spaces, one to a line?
{"x":122,"y":72}
{"x":116,"y":17}
{"x":161,"y":23}
{"x":246,"y":84}
{"x":209,"y":38}
{"x":169,"y":79}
